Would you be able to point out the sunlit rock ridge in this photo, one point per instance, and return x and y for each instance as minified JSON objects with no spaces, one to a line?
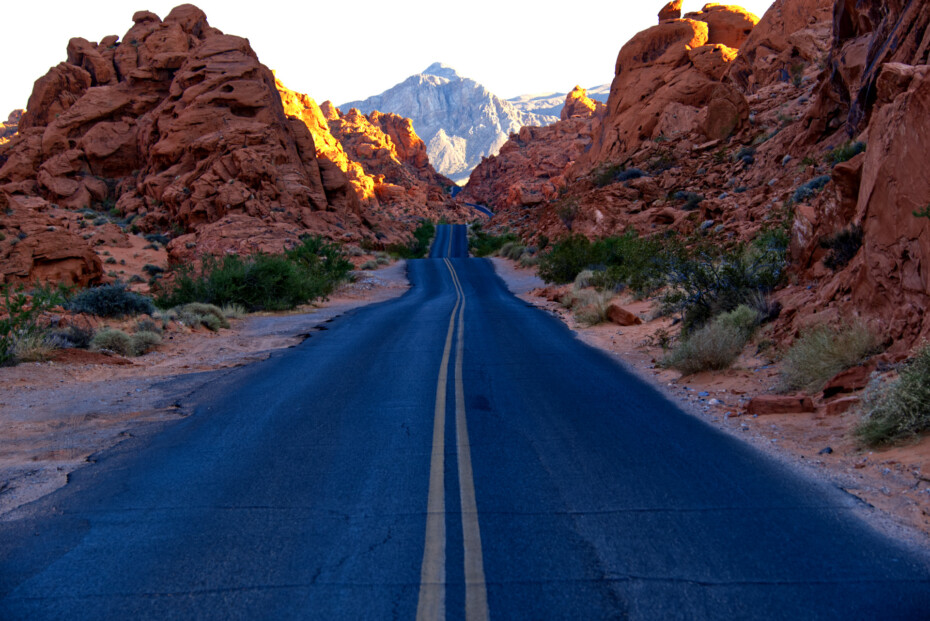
{"x":459,"y":119}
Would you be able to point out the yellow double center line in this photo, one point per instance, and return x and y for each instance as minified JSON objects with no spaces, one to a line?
{"x":432,"y":602}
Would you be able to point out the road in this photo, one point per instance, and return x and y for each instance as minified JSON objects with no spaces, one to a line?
{"x":453,"y":453}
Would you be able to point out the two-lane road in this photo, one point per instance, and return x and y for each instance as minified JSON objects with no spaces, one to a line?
{"x":454,"y":454}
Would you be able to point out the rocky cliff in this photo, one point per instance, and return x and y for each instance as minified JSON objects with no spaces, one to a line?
{"x":550,"y":104}
{"x":177,"y":130}
{"x":459,"y":120}
{"x":719,"y":128}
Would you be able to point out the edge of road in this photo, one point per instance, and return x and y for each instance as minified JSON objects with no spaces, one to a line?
{"x":882,"y":521}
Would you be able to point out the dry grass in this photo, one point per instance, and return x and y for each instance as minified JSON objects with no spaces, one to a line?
{"x":32,"y":348}
{"x":822,"y":352}
{"x":899,"y":409}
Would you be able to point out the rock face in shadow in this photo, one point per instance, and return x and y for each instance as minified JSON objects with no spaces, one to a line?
{"x":459,"y":120}
{"x":180,"y":130}
{"x":721,"y":144}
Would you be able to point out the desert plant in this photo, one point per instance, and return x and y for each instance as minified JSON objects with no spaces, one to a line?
{"x":146,"y":325}
{"x":35,"y":347}
{"x":144,"y":342}
{"x":418,"y":247}
{"x":843,"y":246}
{"x":922,"y":213}
{"x":713,"y":347}
{"x":19,"y":316}
{"x":823,"y":351}
{"x":110,"y":301}
{"x":113,"y":340}
{"x":584,"y":279}
{"x":845,"y":151}
{"x":71,"y":337}
{"x":234,"y":311}
{"x":590,"y":307}
{"x":197,"y":314}
{"x":567,"y":209}
{"x":310,"y":271}
{"x":692,"y":200}
{"x":482,"y":243}
{"x":810,"y":189}
{"x":370,"y":264}
{"x":898,"y":409}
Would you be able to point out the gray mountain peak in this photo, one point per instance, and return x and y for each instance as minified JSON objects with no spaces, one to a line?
{"x":459,"y":120}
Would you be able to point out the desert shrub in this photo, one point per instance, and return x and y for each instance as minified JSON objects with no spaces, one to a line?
{"x":234,"y":311}
{"x":743,"y":318}
{"x":746,"y":155}
{"x":529,"y":260}
{"x":197,"y":314}
{"x":418,"y":247}
{"x":482,"y":243}
{"x":810,"y":189}
{"x":567,"y":209}
{"x":144,"y":342}
{"x":617,"y":174}
{"x":19,"y":316}
{"x":512,"y":250}
{"x":370,"y":264}
{"x":845,"y":151}
{"x":113,"y":340}
{"x":822,"y":352}
{"x":843,"y":246}
{"x":709,"y":282}
{"x":692,"y":200}
{"x":262,"y":281}
{"x":71,"y":337}
{"x":146,"y":325}
{"x":152,"y":270}
{"x":35,"y":347}
{"x":898,"y":409}
{"x":713,"y":347}
{"x":589,"y":306}
{"x":584,"y":279}
{"x":110,"y":301}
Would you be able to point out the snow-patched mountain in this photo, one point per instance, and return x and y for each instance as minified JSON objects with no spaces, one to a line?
{"x":550,"y":104}
{"x":459,"y":120}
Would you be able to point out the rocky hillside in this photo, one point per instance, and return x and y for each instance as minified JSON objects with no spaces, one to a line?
{"x":178,"y":131}
{"x":720,"y":127}
{"x":8,"y":129}
{"x":550,"y":104}
{"x":459,"y":120}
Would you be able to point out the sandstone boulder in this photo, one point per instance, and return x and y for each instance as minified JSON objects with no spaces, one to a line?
{"x":780,"y":404}
{"x":672,"y":10}
{"x":621,"y":316}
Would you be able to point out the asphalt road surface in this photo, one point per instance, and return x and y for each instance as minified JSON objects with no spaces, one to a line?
{"x":452,"y":454}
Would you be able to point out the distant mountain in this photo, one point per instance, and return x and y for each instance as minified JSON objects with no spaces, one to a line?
{"x":550,"y":104}
{"x":459,"y":120}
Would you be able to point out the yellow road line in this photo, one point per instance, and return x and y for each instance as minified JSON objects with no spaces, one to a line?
{"x":432,"y":602}
{"x":476,"y":596}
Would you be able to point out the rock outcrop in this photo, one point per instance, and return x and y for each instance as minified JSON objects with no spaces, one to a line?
{"x":10,"y":127}
{"x":180,"y":131}
{"x":529,"y":169}
{"x":550,"y":105}
{"x":460,"y":120}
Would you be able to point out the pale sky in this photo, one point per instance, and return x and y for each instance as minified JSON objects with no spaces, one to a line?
{"x":344,"y":51}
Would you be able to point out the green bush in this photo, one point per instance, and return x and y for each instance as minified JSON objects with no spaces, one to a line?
{"x":901,"y":408}
{"x":709,"y":282}
{"x":370,"y":264}
{"x":262,"y":281}
{"x":419,"y":246}
{"x":19,"y":316}
{"x":110,"y":301}
{"x":482,"y":244}
{"x":822,"y":352}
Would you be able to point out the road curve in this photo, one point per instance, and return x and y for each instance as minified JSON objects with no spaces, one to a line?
{"x":453,"y":454}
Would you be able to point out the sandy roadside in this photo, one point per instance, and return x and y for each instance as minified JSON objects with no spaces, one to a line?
{"x":894,"y":481}
{"x":54,"y":416}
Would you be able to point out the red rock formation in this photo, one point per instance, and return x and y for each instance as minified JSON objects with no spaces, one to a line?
{"x":578,"y":104}
{"x":672,"y":10}
{"x":668,"y":81}
{"x":182,"y":129}
{"x":728,"y":24}
{"x":791,"y":34}
{"x":9,"y":129}
{"x":530,"y":166}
